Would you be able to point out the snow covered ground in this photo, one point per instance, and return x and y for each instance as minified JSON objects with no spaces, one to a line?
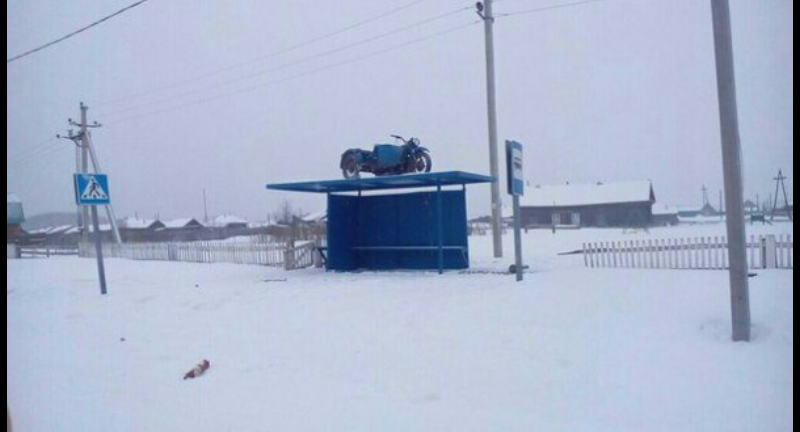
{"x":570,"y":349}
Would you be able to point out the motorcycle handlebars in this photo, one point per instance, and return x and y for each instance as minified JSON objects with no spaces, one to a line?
{"x":405,"y":141}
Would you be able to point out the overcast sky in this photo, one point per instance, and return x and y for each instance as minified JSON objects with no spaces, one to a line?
{"x":614,"y":90}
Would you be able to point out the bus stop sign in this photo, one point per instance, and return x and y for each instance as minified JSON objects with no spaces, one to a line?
{"x":516,"y":176}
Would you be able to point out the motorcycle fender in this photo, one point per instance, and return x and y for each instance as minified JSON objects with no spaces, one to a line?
{"x":355,"y":152}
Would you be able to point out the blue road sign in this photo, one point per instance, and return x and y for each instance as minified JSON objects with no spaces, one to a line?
{"x":91,"y":189}
{"x":516,"y":171}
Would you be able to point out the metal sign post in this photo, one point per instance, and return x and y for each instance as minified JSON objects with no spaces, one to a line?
{"x":92,"y":190}
{"x":516,"y":188}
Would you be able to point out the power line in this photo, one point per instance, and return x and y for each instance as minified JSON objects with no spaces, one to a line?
{"x":34,"y":148}
{"x":34,"y":152}
{"x":35,"y":155}
{"x":76,"y":32}
{"x":294,"y":63}
{"x":266,"y":56}
{"x":44,"y":156}
{"x":548,"y":8}
{"x":300,"y":75}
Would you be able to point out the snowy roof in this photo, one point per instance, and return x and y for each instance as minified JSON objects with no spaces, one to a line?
{"x":103,"y":228}
{"x":315,"y":217}
{"x":73,"y":230}
{"x":227,"y":220}
{"x":12,"y":199}
{"x":77,"y":229}
{"x":660,"y":209}
{"x":181,"y":223}
{"x":137,"y":223}
{"x":52,"y":230}
{"x":570,"y":195}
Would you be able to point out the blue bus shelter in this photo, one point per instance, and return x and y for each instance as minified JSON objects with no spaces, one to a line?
{"x":425,"y":229}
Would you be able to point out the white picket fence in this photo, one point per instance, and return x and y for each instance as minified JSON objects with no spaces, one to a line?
{"x":699,"y":253}
{"x":46,"y":251}
{"x":267,"y":254}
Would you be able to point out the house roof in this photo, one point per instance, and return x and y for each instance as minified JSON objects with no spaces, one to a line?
{"x":227,"y":220}
{"x":181,"y":223}
{"x":315,"y":217}
{"x":12,"y":199}
{"x":574,"y":195}
{"x":52,"y":230}
{"x":136,"y":223}
{"x":77,"y":229}
{"x":660,"y":209}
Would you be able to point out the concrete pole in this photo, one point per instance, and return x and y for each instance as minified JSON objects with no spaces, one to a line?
{"x":98,"y":248}
{"x":205,"y":206}
{"x":497,"y":203}
{"x":110,"y":214}
{"x":84,"y":166}
{"x":732,"y":164}
{"x":79,"y":221}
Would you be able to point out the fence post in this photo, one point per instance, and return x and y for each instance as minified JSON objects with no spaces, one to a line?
{"x":586,"y":255}
{"x":770,"y":249}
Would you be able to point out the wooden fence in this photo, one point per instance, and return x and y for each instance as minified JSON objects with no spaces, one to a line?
{"x":46,"y":251}
{"x":302,"y":255}
{"x":700,"y":253}
{"x":267,"y":254}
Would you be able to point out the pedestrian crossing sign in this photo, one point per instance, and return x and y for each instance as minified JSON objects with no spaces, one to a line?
{"x":91,"y":189}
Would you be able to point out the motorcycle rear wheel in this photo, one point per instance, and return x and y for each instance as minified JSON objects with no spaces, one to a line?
{"x":350,"y":168}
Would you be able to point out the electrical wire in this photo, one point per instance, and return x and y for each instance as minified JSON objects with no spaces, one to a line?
{"x":263,"y":72}
{"x":33,"y":153}
{"x":300,"y":75}
{"x":75,"y":33}
{"x":265,"y":56}
{"x":547,"y":8}
{"x":32,"y":160}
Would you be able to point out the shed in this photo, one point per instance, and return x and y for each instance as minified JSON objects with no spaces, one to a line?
{"x":665,"y":215}
{"x":620,"y":204}
{"x":372,"y":226}
{"x":15,"y":217}
{"x":230,"y":222}
{"x":183,"y":224}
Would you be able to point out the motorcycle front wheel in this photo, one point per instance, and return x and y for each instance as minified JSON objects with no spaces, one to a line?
{"x":423,"y":163}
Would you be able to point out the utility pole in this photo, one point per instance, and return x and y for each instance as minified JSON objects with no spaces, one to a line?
{"x":205,"y":206}
{"x":780,"y":186}
{"x":84,"y":132}
{"x":79,"y":221}
{"x":485,"y":11}
{"x":110,"y":214}
{"x":87,"y":153}
{"x":732,"y":165}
